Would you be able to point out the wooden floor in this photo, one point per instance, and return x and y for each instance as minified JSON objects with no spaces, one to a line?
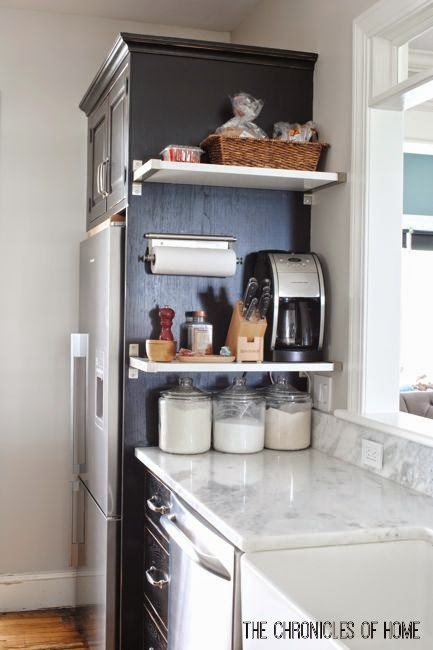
{"x":52,"y":629}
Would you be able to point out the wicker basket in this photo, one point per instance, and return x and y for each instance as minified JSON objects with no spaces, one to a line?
{"x":247,"y":152}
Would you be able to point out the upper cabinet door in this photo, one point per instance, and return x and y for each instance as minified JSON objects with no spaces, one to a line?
{"x":116,"y":172}
{"x":97,"y":162}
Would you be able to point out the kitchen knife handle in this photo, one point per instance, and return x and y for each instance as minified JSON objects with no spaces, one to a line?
{"x":250,"y":292}
{"x":263,"y":305}
{"x":251,"y":308}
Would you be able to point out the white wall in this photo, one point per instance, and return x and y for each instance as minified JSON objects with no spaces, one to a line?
{"x":46,"y":63}
{"x":418,"y":125}
{"x":325,"y":28}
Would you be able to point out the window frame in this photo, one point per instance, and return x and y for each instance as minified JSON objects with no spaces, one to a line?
{"x":379,"y":100}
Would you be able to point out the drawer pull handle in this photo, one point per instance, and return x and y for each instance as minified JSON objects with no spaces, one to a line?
{"x":152,"y":576}
{"x":160,"y":509}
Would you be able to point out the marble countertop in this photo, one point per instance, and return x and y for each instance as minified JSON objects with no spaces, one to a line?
{"x":276,"y":500}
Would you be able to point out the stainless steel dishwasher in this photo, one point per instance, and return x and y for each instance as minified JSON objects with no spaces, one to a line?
{"x":203,"y":596}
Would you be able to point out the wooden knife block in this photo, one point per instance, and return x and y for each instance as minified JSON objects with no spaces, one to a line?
{"x":245,"y":337}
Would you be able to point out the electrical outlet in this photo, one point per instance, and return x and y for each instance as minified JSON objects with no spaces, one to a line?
{"x":372,"y":454}
{"x":322,"y":393}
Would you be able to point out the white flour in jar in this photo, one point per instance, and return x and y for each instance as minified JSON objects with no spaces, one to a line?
{"x":285,"y":430}
{"x":241,"y":435}
{"x":185,"y":428}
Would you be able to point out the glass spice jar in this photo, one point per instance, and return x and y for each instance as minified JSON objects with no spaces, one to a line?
{"x":196,"y":333}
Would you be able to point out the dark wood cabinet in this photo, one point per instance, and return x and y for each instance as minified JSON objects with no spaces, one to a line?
{"x":150,"y":92}
{"x":117,"y":165}
{"x":156,"y":564}
{"x":107,"y":158}
{"x":156,"y":574}
{"x":96,"y":159}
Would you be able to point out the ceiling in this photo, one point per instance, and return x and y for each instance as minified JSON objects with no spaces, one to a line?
{"x":219,"y":15}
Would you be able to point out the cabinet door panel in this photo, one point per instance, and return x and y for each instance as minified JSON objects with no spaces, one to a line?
{"x":118,"y":141}
{"x":156,"y":568}
{"x":97,"y":156}
{"x":157,"y":496}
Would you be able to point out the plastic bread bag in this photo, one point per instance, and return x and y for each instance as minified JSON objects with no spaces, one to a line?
{"x":295,"y":132}
{"x":245,"y":108}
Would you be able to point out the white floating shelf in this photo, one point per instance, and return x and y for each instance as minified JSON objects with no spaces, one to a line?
{"x":160,"y":171}
{"x":267,"y":366}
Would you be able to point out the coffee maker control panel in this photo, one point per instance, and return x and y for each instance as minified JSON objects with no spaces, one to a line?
{"x":295,"y":263}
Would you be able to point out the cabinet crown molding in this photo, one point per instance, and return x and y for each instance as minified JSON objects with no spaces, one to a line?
{"x":142,"y":43}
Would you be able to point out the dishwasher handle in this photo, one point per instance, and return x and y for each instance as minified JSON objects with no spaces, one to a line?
{"x":208,"y":562}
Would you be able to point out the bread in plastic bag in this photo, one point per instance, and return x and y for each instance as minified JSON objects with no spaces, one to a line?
{"x":245,"y":108}
{"x":295,"y":132}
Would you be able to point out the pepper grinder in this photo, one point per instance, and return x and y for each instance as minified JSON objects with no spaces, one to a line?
{"x":166,"y":315}
{"x":164,"y":348}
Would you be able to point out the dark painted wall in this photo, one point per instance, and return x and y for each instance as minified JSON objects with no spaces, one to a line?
{"x":180,"y":100}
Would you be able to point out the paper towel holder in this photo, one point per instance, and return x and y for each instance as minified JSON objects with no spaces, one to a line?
{"x":172,"y":240}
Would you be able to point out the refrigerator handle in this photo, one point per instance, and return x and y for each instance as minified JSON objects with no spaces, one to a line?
{"x":78,"y":397}
{"x":78,"y":526}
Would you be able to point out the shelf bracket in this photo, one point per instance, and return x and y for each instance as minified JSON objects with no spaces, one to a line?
{"x":134,"y":351}
{"x":137,"y":189}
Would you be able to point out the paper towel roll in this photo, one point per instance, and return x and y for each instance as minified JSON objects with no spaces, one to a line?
{"x":208,"y":262}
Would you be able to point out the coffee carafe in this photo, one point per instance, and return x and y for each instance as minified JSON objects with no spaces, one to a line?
{"x":294,"y":327}
{"x":297,"y":316}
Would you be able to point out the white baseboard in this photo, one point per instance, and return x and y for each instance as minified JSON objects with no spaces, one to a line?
{"x":30,"y":591}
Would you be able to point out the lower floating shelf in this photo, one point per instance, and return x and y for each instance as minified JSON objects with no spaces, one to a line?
{"x":266,"y":366}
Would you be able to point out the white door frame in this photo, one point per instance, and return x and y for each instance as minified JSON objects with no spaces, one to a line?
{"x":377,"y":36}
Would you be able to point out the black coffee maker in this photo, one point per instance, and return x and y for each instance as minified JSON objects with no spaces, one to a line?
{"x":296,"y":318}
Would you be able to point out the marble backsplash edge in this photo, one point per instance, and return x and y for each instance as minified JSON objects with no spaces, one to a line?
{"x":405,"y":462}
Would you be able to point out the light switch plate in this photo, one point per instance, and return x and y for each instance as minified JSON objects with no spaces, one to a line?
{"x":322,"y":393}
{"x":372,"y":454}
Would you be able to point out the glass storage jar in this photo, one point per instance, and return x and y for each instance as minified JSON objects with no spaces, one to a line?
{"x":185,"y":330}
{"x":238,"y":419}
{"x":185,"y":419}
{"x":196,"y":333}
{"x":288,"y":417}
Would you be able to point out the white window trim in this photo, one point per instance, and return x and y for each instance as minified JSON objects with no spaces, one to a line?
{"x":421,"y":147}
{"x":377,"y":35}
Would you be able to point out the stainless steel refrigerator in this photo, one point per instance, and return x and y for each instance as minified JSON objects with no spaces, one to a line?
{"x":96,"y":362}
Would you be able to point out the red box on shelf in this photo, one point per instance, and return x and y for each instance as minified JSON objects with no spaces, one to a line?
{"x":181,"y":153}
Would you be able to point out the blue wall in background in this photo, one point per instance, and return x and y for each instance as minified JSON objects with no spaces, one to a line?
{"x":418,"y":184}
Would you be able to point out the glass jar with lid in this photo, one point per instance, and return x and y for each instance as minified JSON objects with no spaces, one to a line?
{"x":185,"y":419}
{"x":238,"y":419}
{"x":288,"y":417}
{"x":185,"y":330}
{"x":196,"y":333}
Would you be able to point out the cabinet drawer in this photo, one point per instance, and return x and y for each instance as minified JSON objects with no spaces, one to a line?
{"x":156,"y":575}
{"x":152,"y":635}
{"x":157,"y":498}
